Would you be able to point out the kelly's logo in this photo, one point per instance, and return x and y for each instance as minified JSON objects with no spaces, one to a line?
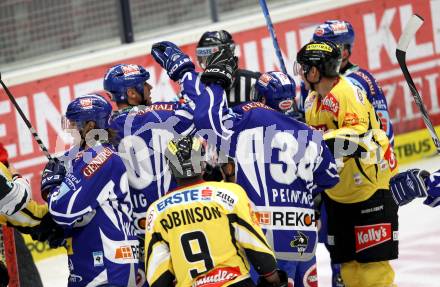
{"x":371,"y":235}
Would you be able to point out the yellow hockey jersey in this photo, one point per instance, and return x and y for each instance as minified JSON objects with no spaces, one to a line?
{"x":202,"y":234}
{"x":346,"y":113}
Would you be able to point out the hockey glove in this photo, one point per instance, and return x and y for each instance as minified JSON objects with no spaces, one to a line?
{"x":53,"y":176}
{"x":433,"y":184}
{"x":48,"y":231}
{"x":172,"y":59}
{"x":220,"y":68}
{"x":4,"y":276}
{"x":408,"y":185}
{"x":283,"y":280}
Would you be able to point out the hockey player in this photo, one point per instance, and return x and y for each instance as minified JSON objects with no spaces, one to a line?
{"x":213,"y":41}
{"x":88,"y":196}
{"x":416,"y":183}
{"x":361,"y":204}
{"x":204,"y":233}
{"x":342,"y":33}
{"x":145,"y":129}
{"x":14,"y":195}
{"x":279,"y":161}
{"x":129,"y":88}
{"x":277,"y":91}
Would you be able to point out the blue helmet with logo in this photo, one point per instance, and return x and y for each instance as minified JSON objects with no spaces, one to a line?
{"x":339,"y":32}
{"x":90,"y":107}
{"x":120,"y":78}
{"x":277,"y":88}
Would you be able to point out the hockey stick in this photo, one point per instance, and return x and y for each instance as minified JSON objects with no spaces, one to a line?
{"x":26,"y":121}
{"x":408,"y":34}
{"x":274,"y":40}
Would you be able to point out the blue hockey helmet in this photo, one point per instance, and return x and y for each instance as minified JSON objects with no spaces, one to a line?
{"x":90,"y":107}
{"x":120,"y":78}
{"x":277,"y":88}
{"x":339,"y":32}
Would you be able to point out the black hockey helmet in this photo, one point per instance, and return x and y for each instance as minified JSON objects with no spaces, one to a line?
{"x":185,"y":156}
{"x":324,"y":55}
{"x":211,"y":42}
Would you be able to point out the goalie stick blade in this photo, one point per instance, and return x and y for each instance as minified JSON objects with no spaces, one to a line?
{"x":409,"y":32}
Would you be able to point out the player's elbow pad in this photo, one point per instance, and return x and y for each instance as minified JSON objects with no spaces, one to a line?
{"x":264,"y":263}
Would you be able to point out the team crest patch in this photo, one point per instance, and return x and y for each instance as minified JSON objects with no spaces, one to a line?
{"x":300,"y":241}
{"x":98,"y":258}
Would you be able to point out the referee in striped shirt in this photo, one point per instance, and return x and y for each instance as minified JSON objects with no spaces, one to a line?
{"x":213,"y":41}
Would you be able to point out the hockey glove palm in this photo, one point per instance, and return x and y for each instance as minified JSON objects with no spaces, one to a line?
{"x":408,"y":185}
{"x":172,"y":59}
{"x":53,"y":176}
{"x":220,"y":68}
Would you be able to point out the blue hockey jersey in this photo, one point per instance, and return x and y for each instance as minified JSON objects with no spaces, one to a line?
{"x":145,"y":134}
{"x":93,"y":206}
{"x":280,"y":162}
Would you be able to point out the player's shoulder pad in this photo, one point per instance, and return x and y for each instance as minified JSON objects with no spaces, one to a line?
{"x":365,"y":79}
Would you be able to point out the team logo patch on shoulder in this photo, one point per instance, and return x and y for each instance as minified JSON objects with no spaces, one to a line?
{"x":97,"y":162}
{"x":217,"y":277}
